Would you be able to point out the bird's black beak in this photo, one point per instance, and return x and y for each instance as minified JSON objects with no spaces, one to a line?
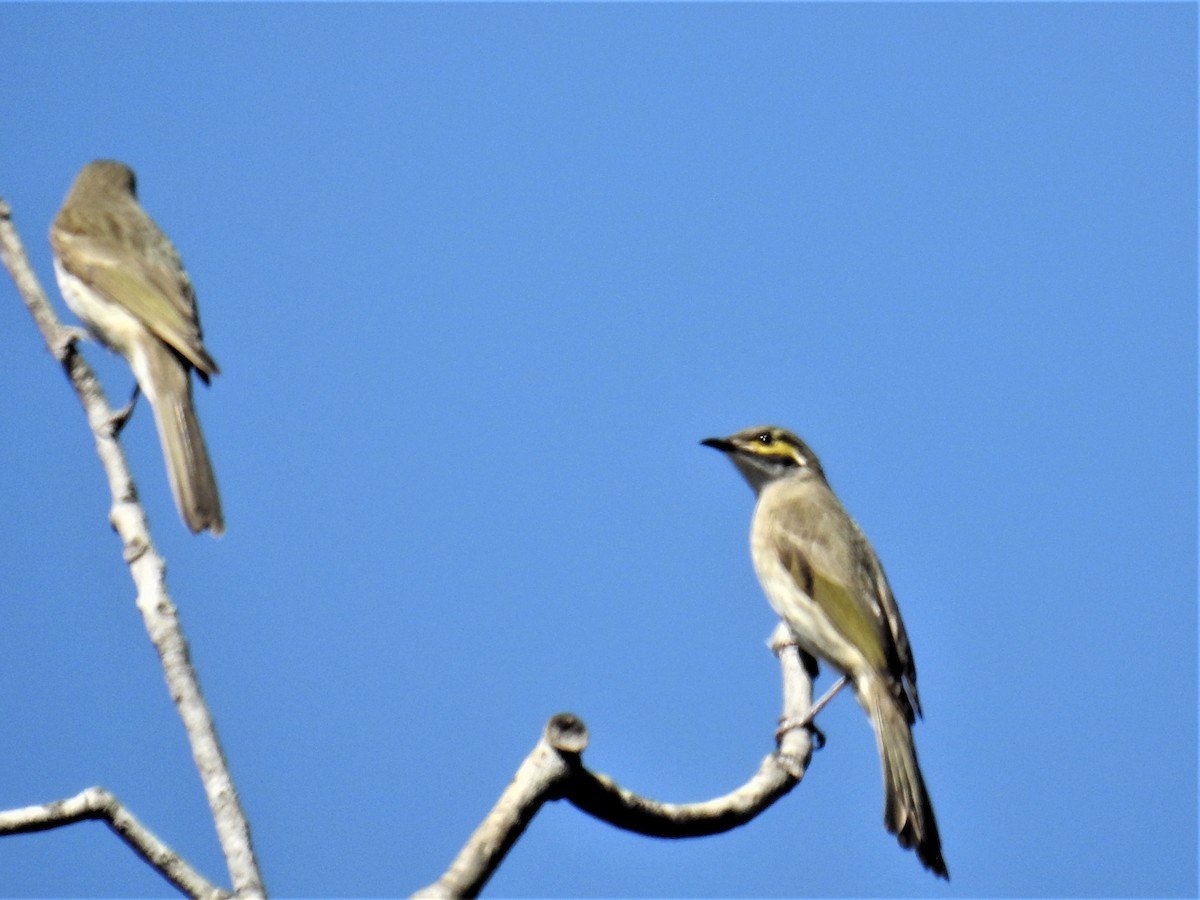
{"x":719,"y":444}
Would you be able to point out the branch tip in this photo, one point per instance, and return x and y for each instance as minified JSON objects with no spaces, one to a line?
{"x":566,"y":733}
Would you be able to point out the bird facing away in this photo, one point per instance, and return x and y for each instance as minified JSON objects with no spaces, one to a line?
{"x":122,"y":277}
{"x":823,"y":579}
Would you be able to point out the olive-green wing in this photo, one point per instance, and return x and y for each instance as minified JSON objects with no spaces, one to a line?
{"x":829,"y":581}
{"x":907,"y":669}
{"x":138,"y":268}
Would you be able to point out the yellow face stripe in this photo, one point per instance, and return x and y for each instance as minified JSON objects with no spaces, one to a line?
{"x":772,"y":443}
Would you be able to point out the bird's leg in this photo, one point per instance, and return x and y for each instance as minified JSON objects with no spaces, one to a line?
{"x":824,"y":701}
{"x":786,"y":725}
{"x":121,"y":417}
{"x":806,"y":721}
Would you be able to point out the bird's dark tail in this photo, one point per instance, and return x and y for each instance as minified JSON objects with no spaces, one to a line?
{"x":189,"y":470}
{"x":907,"y":811}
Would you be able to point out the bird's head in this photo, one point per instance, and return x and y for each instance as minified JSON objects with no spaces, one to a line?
{"x":766,"y":453}
{"x":105,"y":177}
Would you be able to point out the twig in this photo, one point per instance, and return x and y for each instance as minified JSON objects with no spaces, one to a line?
{"x":554,"y":770}
{"x":148,"y":572}
{"x":97,"y":803}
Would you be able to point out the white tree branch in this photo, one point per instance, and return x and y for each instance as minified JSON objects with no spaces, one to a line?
{"x":97,"y":803}
{"x":554,"y":770}
{"x":148,"y":572}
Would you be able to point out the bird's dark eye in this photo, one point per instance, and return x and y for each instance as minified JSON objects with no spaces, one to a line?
{"x":765,"y":438}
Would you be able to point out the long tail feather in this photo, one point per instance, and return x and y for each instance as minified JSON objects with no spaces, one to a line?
{"x":189,"y":470}
{"x":907,"y":811}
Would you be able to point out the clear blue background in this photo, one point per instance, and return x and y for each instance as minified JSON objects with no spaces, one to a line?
{"x":479,"y":279}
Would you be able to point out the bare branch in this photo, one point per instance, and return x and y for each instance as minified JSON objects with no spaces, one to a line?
{"x":554,"y":770}
{"x":148,"y":572}
{"x":539,"y":778}
{"x":97,"y":803}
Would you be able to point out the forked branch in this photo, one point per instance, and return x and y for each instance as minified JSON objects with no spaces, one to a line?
{"x":554,"y":770}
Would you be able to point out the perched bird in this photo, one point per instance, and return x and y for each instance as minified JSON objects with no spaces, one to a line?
{"x":823,"y":579}
{"x":121,"y":276}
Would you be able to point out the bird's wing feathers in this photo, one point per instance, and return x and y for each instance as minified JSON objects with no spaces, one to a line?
{"x":846,"y":581}
{"x":891,"y":612}
{"x":844,"y":607}
{"x":156,"y":289}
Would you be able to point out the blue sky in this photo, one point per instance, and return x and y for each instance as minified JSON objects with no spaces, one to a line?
{"x":479,"y":279}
